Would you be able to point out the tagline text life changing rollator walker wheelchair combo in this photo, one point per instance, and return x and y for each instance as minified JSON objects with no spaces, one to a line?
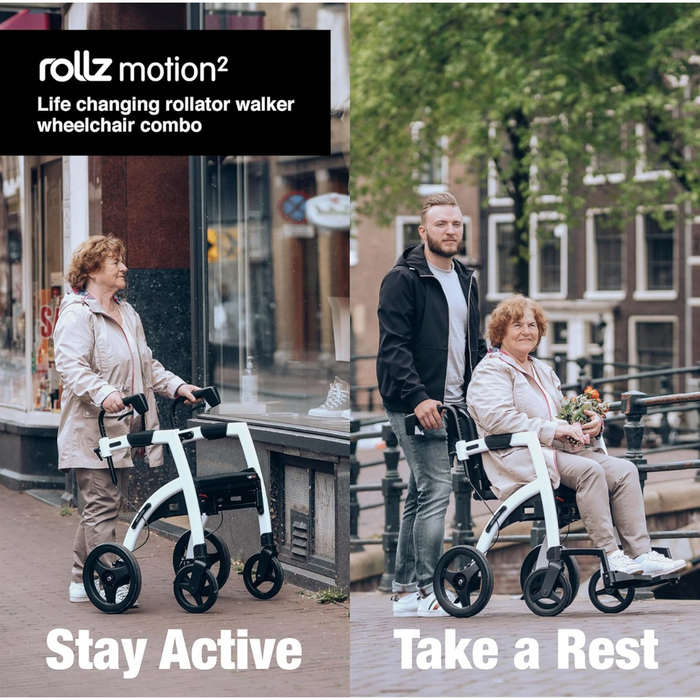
{"x":549,"y":576}
{"x":111,"y":574}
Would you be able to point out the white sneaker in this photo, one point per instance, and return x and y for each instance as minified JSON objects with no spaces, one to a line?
{"x":77,"y":594}
{"x":429,"y":606}
{"x":620,"y":562}
{"x":407,"y":606}
{"x":337,"y":402}
{"x":120,"y":595}
{"x":655,"y":564}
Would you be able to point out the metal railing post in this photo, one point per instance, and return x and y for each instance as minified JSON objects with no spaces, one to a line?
{"x":463,"y":526}
{"x":584,"y":379}
{"x":537,"y":533}
{"x":354,"y":474}
{"x":392,"y":507}
{"x":665,"y":428}
{"x":634,"y":430}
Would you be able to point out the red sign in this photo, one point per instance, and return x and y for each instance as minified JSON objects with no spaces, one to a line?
{"x":47,"y":320}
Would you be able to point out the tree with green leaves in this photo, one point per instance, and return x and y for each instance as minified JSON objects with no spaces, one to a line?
{"x":545,"y":93}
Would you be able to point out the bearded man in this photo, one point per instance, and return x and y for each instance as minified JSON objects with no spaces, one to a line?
{"x":429,"y":343}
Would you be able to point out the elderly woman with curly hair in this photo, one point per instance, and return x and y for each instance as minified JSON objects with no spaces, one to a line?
{"x":513,"y":392}
{"x":102,"y":356}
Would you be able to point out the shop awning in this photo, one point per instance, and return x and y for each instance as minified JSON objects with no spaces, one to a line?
{"x":27,"y":20}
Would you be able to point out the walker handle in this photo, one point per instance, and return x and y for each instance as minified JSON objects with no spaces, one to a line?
{"x":411,"y":421}
{"x":209,"y":393}
{"x":139,"y":404}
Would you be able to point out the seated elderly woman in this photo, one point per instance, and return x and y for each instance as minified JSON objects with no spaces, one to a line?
{"x":512,"y":392}
{"x":102,"y":356}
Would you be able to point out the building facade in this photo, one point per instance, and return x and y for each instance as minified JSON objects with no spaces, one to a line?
{"x":233,"y":280}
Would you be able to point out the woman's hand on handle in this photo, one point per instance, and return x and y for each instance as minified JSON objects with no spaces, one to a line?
{"x":113,"y":403}
{"x":185,"y":390}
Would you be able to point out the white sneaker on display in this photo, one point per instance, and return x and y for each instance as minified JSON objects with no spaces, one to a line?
{"x":337,"y":404}
{"x":655,"y":564}
{"x":618,"y":561}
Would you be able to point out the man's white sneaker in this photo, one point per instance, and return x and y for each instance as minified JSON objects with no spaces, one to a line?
{"x":407,"y":606}
{"x":620,"y":562}
{"x":655,"y":564}
{"x":429,"y":606}
{"x":77,"y":594}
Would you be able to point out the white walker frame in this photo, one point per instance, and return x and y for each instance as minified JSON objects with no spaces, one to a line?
{"x":185,"y":482}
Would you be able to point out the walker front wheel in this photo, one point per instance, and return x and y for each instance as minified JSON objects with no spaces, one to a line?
{"x":571,"y":568}
{"x":218,"y":557}
{"x":553,"y":603}
{"x":263,"y":584}
{"x":463,"y":581}
{"x":112,"y":578}
{"x":193,"y":597}
{"x":608,"y":600}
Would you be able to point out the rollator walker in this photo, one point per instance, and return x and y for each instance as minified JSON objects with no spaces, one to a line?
{"x":201,"y":559}
{"x":549,"y":576}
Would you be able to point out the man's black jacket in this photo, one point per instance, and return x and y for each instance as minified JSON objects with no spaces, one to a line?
{"x":414,"y":332}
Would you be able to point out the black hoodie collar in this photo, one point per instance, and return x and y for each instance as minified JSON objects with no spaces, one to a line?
{"x":414,"y":257}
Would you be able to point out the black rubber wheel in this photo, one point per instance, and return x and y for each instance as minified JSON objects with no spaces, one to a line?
{"x":267,"y":585}
{"x":570,"y":566}
{"x":112,"y":578}
{"x":463,"y":572}
{"x":195,"y":601}
{"x":218,"y":557}
{"x":557,"y":600}
{"x":608,"y":600}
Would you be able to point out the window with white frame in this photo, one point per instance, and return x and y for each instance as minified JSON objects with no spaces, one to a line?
{"x":432,"y":169}
{"x":656,"y":257}
{"x":407,"y":235}
{"x":502,"y":256}
{"x":548,"y":253}
{"x":605,"y":242}
{"x":607,"y":166}
{"x":649,"y":164}
{"x":653,"y":344}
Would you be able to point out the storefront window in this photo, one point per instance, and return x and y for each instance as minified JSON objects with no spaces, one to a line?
{"x":12,"y":317}
{"x":47,"y":281}
{"x":278,"y":287}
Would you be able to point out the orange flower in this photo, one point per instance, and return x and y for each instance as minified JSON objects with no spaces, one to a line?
{"x":588,"y":390}
{"x":595,"y":394}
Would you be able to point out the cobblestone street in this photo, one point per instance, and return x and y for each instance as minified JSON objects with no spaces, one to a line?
{"x":376,"y":656}
{"x":36,"y":556}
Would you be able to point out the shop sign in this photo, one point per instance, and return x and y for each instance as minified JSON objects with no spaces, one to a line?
{"x":329,"y":211}
{"x":48,"y":315}
{"x":291,"y":231}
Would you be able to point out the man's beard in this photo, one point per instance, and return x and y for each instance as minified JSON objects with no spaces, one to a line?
{"x":436,"y":247}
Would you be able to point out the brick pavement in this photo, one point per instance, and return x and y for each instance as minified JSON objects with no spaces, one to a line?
{"x":375,"y":654}
{"x":36,"y":557}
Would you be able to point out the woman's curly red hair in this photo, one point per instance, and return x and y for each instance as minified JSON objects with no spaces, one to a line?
{"x":510,"y":310}
{"x":89,"y":257}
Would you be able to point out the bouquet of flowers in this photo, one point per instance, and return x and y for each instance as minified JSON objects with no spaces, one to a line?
{"x":572,"y":409}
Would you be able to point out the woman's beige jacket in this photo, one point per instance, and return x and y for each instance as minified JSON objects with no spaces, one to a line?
{"x":94,"y":359}
{"x":502,"y":398}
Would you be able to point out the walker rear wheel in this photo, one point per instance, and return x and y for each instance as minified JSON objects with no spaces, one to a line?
{"x":546,"y":606}
{"x":463,"y":581}
{"x":263,"y":585}
{"x":218,"y":557}
{"x":112,"y":578}
{"x":193,"y":598}
{"x":571,"y":568}
{"x":608,"y":600}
